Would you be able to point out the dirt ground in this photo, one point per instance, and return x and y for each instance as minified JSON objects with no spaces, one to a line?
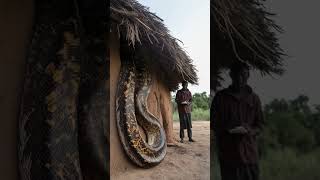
{"x":183,"y":161}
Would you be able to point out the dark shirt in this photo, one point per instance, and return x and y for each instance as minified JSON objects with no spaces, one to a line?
{"x":181,"y":96}
{"x":229,"y":111}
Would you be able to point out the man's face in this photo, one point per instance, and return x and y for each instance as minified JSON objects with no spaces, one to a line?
{"x":240,"y":78}
{"x":184,"y":85}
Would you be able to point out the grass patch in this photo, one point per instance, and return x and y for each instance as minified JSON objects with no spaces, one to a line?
{"x":282,"y":165}
{"x":196,"y":115}
{"x":288,"y":164}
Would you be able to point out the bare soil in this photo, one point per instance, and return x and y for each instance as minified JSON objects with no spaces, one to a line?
{"x":184,"y":161}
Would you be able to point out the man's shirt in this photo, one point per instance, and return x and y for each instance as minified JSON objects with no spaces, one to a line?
{"x":182,"y":96}
{"x":229,"y":111}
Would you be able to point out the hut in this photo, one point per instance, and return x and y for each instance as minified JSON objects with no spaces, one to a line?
{"x":59,"y":102}
{"x":146,"y":63}
{"x":244,"y":31}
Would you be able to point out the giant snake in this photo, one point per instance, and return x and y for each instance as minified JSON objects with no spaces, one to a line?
{"x":133,"y":89}
{"x":63,"y":115}
{"x":64,"y":109}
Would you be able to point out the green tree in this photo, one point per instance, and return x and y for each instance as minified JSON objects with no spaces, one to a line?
{"x":290,"y":124}
{"x":200,"y":100}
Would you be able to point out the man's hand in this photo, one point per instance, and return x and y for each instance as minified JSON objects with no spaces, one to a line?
{"x":238,"y":130}
{"x":186,"y":102}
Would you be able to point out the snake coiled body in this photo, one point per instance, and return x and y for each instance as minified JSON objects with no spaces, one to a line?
{"x":133,"y":89}
{"x":63,"y":114}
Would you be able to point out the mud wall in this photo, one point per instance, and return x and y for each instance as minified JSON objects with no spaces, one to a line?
{"x":15,"y":28}
{"x":159,"y":104}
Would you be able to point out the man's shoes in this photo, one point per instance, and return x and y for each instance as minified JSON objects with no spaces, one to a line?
{"x":191,"y":140}
{"x":181,"y":140}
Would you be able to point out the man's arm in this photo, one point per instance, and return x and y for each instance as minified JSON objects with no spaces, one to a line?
{"x":258,"y":123}
{"x":190,"y":98}
{"x":216,"y":121}
{"x":178,"y":98}
{"x":213,"y":114}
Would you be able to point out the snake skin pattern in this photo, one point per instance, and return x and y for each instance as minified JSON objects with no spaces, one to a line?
{"x":133,"y":89}
{"x":63,"y":115}
{"x":63,"y":129}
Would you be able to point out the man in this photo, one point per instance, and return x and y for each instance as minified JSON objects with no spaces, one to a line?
{"x":237,"y":120}
{"x":184,"y":99}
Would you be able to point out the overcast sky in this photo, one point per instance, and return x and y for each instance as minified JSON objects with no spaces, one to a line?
{"x":189,"y":21}
{"x":301,"y":41}
{"x":300,"y":20}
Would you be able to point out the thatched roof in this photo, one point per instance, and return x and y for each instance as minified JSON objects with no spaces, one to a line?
{"x":146,"y":33}
{"x":244,"y":31}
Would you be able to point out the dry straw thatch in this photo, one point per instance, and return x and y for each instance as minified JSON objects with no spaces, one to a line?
{"x":146,"y":33}
{"x":242,"y":30}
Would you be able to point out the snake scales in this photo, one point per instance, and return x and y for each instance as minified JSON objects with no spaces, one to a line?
{"x":133,"y":89}
{"x":63,"y":129}
{"x":63,"y":114}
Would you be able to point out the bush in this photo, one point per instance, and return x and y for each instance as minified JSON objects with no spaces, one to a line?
{"x":289,"y":145}
{"x":288,"y":164}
